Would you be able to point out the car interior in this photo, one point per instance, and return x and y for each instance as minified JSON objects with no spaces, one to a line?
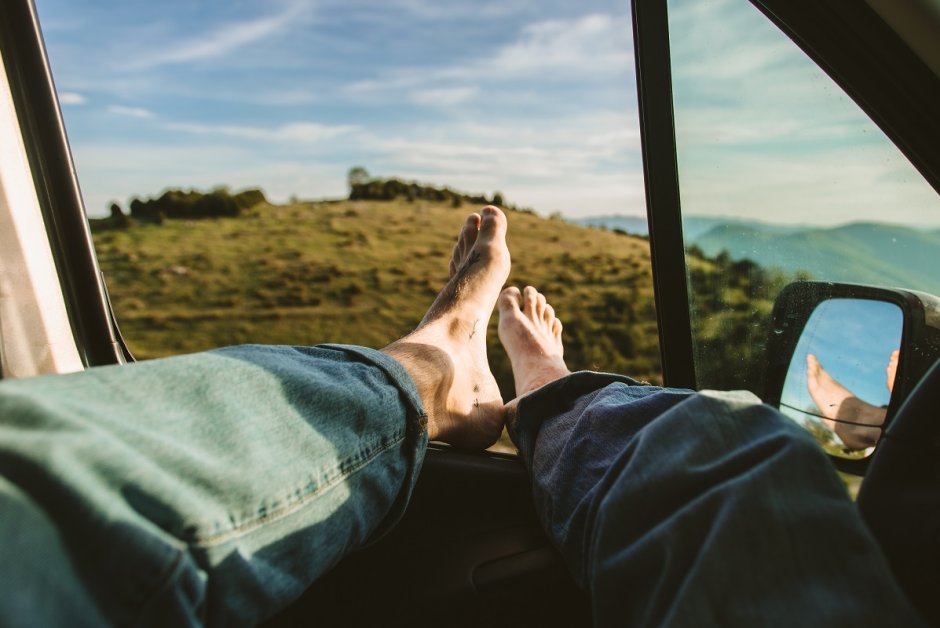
{"x":470,"y":550}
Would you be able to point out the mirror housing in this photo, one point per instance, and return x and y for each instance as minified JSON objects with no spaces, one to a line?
{"x":919,"y":341}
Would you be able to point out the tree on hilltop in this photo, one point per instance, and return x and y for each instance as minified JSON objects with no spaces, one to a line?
{"x":357,"y":176}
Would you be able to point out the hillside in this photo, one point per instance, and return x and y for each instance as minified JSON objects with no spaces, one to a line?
{"x":692,"y":226}
{"x":363,"y":272}
{"x":870,"y":253}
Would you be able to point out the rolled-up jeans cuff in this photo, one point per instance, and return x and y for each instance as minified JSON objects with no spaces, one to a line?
{"x":554,"y":399}
{"x":416,"y":421}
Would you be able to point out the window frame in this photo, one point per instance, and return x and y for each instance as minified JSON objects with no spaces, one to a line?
{"x":93,"y":327}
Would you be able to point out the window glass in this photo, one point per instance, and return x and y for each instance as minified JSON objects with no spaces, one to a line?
{"x":782,"y":177}
{"x":296,"y":172}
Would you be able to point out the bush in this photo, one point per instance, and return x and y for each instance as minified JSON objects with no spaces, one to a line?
{"x":391,"y":189}
{"x":189,"y":204}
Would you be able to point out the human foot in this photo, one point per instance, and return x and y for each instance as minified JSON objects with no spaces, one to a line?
{"x":531,"y":335}
{"x":856,"y":422}
{"x":446,"y":354}
{"x":827,"y":393}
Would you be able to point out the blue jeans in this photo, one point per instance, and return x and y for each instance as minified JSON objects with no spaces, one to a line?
{"x":211,"y":487}
{"x":216,"y":487}
{"x":676,"y":508}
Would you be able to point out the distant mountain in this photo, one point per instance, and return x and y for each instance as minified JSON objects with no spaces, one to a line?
{"x":692,"y":226}
{"x":870,"y":253}
{"x":631,"y":224}
{"x":864,"y":252}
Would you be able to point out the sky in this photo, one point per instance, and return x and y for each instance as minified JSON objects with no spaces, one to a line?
{"x":536,"y":100}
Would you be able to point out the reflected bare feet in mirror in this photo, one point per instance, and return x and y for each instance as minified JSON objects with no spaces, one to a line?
{"x":531,"y":335}
{"x":446,"y":354}
{"x":891,"y":370}
{"x":839,"y":405}
{"x":827,"y":393}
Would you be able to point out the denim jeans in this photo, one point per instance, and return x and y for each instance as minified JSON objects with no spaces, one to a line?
{"x":213,"y":487}
{"x":676,"y":508}
{"x":216,"y":487}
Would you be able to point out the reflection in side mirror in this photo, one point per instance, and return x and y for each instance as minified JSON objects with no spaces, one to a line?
{"x":839,"y":381}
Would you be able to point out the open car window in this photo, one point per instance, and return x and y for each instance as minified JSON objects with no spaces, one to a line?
{"x":296,"y":173}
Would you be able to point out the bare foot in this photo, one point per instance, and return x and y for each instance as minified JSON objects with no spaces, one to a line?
{"x":892,"y":369}
{"x":531,"y":335}
{"x":828,"y":394}
{"x":446,"y":354}
{"x":855,"y":421}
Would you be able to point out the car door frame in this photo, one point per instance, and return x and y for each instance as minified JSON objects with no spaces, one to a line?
{"x":33,"y":92}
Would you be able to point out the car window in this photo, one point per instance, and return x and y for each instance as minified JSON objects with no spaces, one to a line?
{"x":782,"y":177}
{"x":296,"y":172}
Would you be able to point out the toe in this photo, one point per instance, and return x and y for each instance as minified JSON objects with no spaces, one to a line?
{"x":529,"y":301}
{"x":510,"y":299}
{"x":556,"y":328}
{"x":548,"y":315}
{"x":468,"y":234}
{"x":471,"y":226}
{"x":493,"y":222}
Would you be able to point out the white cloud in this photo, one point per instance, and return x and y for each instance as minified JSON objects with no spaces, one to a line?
{"x":828,"y":187}
{"x":580,"y":165}
{"x":763,"y":133}
{"x":131,"y":112}
{"x":71,"y":98}
{"x":589,"y":44}
{"x":586,"y":47}
{"x":444,"y":97}
{"x":455,"y":9}
{"x":224,"y":39}
{"x":299,"y":132}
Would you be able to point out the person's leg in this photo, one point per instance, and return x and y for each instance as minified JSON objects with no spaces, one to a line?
{"x":217,"y":486}
{"x":446,"y":354}
{"x":680,"y":508}
{"x":856,"y":422}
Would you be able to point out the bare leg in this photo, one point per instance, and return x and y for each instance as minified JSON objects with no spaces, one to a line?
{"x":446,"y":354}
{"x":531,"y":335}
{"x":838,"y":404}
{"x":828,"y":394}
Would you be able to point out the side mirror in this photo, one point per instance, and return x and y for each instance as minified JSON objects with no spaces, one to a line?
{"x":842,"y":358}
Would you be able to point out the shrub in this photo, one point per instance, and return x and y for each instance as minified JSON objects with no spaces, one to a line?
{"x":189,"y":204}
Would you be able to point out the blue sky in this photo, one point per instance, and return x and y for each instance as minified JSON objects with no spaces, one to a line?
{"x":534,"y":99}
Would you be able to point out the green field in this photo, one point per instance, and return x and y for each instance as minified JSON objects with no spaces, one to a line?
{"x":363,"y":272}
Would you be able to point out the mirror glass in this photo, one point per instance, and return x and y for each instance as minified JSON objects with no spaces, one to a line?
{"x":840,"y":378}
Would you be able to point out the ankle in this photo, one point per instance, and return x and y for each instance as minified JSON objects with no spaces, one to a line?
{"x":545,"y":375}
{"x":432,"y":372}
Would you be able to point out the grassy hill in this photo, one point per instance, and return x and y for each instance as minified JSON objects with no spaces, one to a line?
{"x":692,"y":226}
{"x":363,"y":272}
{"x":869,"y":253}
{"x":879,"y":254}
